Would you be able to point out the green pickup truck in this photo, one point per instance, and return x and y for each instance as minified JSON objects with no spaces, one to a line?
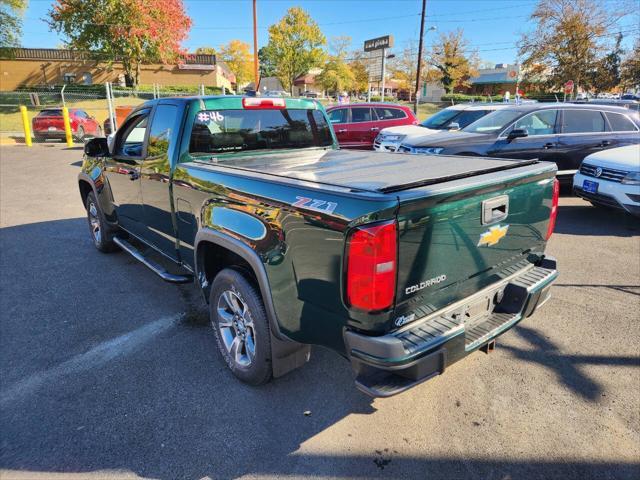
{"x":403,"y":264}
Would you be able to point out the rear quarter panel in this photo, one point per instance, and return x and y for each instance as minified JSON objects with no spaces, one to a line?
{"x":301,"y":248}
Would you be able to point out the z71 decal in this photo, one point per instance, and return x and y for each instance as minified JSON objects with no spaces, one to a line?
{"x":315,"y":204}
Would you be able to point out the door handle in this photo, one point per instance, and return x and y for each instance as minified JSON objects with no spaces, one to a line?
{"x":605,"y":143}
{"x":547,"y":146}
{"x":374,"y":129}
{"x":133,"y":175}
{"x":342,"y":130}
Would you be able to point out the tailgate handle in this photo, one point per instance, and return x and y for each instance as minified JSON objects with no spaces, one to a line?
{"x":495,"y":209}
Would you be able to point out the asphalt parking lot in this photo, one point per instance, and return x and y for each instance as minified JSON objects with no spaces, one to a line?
{"x":108,"y":372}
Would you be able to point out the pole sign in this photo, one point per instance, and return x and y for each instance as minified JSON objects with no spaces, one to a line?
{"x":374,"y":67}
{"x":378,"y":43}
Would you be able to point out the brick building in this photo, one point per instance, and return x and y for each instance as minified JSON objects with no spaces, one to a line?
{"x":48,"y":66}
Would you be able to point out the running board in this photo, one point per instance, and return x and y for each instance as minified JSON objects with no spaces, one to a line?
{"x":153,"y":266}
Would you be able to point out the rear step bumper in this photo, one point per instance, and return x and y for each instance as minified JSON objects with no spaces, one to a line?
{"x":390,"y":364}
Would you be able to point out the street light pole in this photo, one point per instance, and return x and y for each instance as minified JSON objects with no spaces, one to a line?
{"x":424,"y":8}
{"x":255,"y":45}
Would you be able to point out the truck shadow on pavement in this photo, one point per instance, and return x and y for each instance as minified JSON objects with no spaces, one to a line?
{"x":589,"y":220}
{"x":566,"y":367}
{"x":108,"y":394}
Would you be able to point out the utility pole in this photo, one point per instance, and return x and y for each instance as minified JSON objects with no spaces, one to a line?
{"x":424,"y":9}
{"x":255,"y":45}
{"x":384,"y":71}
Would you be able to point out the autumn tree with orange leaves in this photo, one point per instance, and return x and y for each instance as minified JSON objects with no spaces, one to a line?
{"x":130,"y":31}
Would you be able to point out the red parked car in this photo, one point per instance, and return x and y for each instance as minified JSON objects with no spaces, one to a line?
{"x":356,"y":125}
{"x":50,"y":124}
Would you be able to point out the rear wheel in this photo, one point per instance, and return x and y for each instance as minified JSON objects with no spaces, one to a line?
{"x":101,"y":234}
{"x":241,"y":327}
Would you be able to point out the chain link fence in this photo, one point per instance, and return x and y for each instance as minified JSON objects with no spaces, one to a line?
{"x":92,"y":100}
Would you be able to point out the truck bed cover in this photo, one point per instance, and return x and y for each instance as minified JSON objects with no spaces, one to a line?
{"x":370,"y":171}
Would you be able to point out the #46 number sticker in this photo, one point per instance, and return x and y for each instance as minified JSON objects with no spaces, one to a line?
{"x":206,"y":117}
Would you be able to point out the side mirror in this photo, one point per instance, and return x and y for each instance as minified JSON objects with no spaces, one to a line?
{"x":517,"y":133}
{"x":97,"y":147}
{"x":454,"y":126}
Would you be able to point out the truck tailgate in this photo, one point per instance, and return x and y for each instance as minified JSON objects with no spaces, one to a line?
{"x":447,"y":252}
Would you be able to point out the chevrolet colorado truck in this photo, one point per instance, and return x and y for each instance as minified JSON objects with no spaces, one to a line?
{"x":403,"y":264}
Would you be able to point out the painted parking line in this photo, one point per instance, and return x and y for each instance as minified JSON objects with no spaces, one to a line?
{"x":93,"y":358}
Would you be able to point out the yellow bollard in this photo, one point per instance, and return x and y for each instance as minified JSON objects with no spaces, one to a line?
{"x":25,"y":125}
{"x":67,"y":126}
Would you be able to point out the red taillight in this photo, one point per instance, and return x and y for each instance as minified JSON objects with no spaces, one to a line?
{"x":255,"y":103}
{"x":554,"y":207}
{"x":371,"y":266}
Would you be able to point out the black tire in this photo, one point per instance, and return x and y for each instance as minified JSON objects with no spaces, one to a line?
{"x":80,"y":134}
{"x":235,"y":335}
{"x":39,"y":138}
{"x":101,"y":234}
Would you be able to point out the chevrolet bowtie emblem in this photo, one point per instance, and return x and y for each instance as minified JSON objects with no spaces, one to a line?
{"x":493,"y":235}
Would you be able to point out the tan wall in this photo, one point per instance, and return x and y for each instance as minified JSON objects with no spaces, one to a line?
{"x":15,"y":73}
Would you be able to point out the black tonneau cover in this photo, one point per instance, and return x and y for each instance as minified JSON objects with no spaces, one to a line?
{"x":367,"y":170}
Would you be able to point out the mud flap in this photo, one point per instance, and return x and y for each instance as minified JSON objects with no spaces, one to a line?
{"x":287,"y":356}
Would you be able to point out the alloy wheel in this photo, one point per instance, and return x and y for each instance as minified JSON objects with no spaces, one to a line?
{"x":94,"y":222}
{"x":236,"y":328}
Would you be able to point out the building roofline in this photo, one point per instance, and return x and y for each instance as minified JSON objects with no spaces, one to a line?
{"x":63,"y":54}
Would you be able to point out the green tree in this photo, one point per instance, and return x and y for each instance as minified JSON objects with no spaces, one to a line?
{"x":295,"y":46}
{"x":11,"y":22}
{"x":337,"y":75}
{"x":132,"y":31}
{"x":606,"y":71}
{"x":630,"y":68}
{"x":451,"y":63}
{"x":266,"y":66}
{"x":237,"y":55}
{"x":358,"y":65}
{"x":568,"y":40}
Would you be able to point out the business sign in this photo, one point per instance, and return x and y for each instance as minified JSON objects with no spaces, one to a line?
{"x":378,"y":43}
{"x":374,"y":66}
{"x":194,"y":66}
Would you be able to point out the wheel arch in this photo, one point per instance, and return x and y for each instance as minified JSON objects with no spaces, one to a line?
{"x":85,"y":187}
{"x":215,"y":251}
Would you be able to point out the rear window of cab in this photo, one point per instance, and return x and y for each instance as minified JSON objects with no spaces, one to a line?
{"x":238,"y":130}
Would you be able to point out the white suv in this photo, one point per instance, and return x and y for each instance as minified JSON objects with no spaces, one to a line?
{"x":611,"y":178}
{"x":450,"y":118}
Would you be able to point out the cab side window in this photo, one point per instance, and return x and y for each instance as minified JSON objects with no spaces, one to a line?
{"x":160,"y":133}
{"x":583,"y":121}
{"x":338,"y":115}
{"x":130,"y":142}
{"x":539,"y":123}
